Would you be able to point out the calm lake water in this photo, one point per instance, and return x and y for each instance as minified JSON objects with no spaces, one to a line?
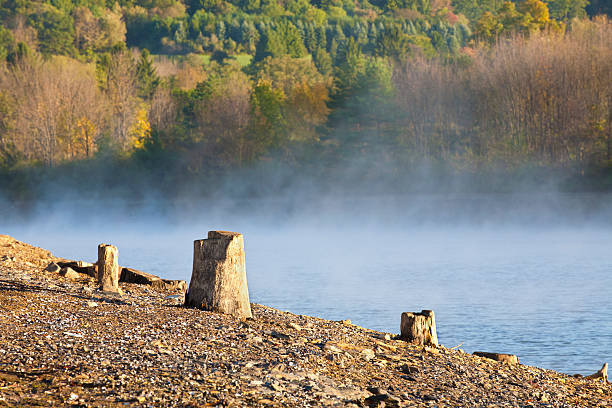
{"x":538,"y":290}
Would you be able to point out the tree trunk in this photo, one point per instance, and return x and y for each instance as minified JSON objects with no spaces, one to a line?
{"x":419,"y":328}
{"x":108,"y":268}
{"x":218,"y":281}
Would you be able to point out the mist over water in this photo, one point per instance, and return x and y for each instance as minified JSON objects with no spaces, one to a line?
{"x":524,"y":274}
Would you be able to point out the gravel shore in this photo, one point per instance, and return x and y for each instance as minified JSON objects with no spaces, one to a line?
{"x":62,"y":342}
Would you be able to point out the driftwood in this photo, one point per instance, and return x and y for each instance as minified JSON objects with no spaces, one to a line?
{"x":126,"y":275}
{"x":419,"y":328}
{"x":130,"y":275}
{"x":505,"y":358}
{"x":80,"y":266}
{"x":218,"y":281}
{"x":108,"y":268}
{"x":603,"y":374}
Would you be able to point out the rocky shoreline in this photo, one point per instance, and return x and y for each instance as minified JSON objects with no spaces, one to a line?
{"x":62,"y":342}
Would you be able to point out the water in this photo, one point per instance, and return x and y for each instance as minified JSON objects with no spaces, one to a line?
{"x":541,"y":292}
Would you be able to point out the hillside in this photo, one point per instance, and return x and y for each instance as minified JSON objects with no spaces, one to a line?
{"x":182,"y":92}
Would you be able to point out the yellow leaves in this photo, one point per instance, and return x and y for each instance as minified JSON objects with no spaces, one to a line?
{"x":537,"y":10}
{"x":528,"y":17}
{"x":488,"y":27}
{"x":140,"y":132}
{"x":307,"y":108}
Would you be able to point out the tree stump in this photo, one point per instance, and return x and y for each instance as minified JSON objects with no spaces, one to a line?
{"x":603,"y":374}
{"x":108,"y":268}
{"x":419,"y":328}
{"x":218,"y":281}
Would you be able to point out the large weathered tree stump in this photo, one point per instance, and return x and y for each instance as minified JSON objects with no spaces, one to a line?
{"x":218,"y":281}
{"x":419,"y":328}
{"x":108,"y":268}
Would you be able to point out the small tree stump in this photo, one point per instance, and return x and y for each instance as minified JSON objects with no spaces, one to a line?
{"x":504,"y":358}
{"x":419,"y":328}
{"x":603,"y":374}
{"x":218,"y":281}
{"x":108,"y":268}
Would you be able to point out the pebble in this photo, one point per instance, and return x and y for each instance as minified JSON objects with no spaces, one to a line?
{"x":368,"y":354}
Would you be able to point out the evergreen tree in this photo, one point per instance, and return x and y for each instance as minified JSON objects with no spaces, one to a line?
{"x":333,"y":49}
{"x":269,"y":45}
{"x":564,"y":10}
{"x":7,"y":43}
{"x":310,"y":38}
{"x":148,"y":80}
{"x":392,"y":42}
{"x":293,"y":42}
{"x":55,"y":32}
{"x":322,"y":60}
{"x":321,"y":37}
{"x":220,"y":30}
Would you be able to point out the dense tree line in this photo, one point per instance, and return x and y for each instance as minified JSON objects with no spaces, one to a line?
{"x":468,"y":83}
{"x":546,"y":99}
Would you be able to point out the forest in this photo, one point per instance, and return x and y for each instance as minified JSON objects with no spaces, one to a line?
{"x":188,"y":91}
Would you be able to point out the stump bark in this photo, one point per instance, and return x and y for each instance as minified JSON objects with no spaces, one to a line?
{"x":419,"y":328}
{"x":108,"y":268}
{"x":218,"y":281}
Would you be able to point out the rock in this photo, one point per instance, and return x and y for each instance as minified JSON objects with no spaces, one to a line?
{"x":277,"y":387}
{"x":170,"y":285}
{"x":383,"y":336}
{"x":279,"y":335}
{"x":53,"y":268}
{"x":332,"y":348}
{"x":218,"y":281}
{"x":368,"y":354}
{"x":505,"y":358}
{"x":384,"y":400}
{"x":408,"y":369}
{"x":294,"y":326}
{"x":69,"y":273}
{"x":376,"y":390}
